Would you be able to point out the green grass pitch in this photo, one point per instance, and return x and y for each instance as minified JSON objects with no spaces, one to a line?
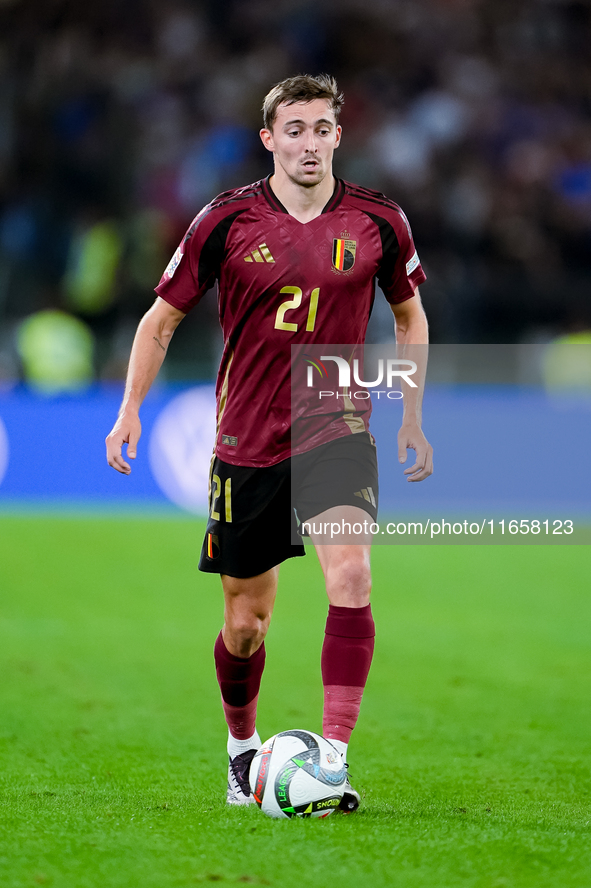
{"x":472,"y":752}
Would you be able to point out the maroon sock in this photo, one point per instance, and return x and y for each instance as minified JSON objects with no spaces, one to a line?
{"x":346,"y":658}
{"x":239,"y":679}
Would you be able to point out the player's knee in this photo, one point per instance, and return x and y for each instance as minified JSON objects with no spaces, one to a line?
{"x":349,"y":581}
{"x":356,"y":578}
{"x":247,"y":630}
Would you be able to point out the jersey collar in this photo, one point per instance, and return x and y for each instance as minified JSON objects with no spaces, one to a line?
{"x":275,"y":203}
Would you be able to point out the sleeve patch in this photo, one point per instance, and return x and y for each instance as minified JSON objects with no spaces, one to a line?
{"x":412,"y":263}
{"x":173,"y":264}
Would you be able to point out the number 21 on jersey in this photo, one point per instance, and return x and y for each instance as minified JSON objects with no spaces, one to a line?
{"x":291,"y":304}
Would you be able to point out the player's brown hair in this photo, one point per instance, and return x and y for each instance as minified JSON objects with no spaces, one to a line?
{"x":303,"y":88}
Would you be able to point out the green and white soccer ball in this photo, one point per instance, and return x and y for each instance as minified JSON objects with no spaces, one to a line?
{"x":297,"y":774}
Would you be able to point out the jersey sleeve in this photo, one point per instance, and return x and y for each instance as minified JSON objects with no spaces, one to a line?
{"x":196,"y":263}
{"x":400,"y":269}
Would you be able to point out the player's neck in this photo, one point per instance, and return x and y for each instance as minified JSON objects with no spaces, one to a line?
{"x":304,"y":204}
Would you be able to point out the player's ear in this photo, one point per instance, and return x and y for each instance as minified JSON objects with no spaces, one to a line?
{"x":338,"y":136}
{"x":267,"y":139}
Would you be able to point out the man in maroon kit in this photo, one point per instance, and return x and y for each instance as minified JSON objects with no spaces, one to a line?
{"x":295,"y":257}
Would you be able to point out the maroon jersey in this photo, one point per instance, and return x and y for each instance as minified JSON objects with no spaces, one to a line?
{"x":282,"y":282}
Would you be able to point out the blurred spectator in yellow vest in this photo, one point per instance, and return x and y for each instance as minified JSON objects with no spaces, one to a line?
{"x":56,"y":351}
{"x":93,"y":262}
{"x":567,"y":363}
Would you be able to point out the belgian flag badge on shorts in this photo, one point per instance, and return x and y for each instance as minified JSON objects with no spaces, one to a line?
{"x":213,"y":546}
{"x":343,"y":253}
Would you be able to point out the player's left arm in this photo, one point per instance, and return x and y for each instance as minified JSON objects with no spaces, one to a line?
{"x":412,"y":338}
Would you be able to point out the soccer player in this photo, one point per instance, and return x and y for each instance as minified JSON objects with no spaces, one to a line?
{"x":295,"y":257}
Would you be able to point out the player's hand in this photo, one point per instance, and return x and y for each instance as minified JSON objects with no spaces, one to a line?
{"x":411,"y":436}
{"x":127,"y":430}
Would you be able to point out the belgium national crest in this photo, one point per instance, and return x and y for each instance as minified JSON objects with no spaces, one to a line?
{"x":343,"y":253}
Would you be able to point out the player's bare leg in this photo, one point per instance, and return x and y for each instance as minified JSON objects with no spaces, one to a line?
{"x":240,"y":658}
{"x":349,"y":636}
{"x":248,"y":606}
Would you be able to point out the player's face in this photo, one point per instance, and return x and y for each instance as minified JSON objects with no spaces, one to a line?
{"x":303,"y":140}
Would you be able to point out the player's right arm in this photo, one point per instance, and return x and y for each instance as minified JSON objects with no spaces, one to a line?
{"x":147,"y":354}
{"x":192,"y":270}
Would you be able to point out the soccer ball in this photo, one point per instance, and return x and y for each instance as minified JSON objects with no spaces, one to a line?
{"x":297,"y":774}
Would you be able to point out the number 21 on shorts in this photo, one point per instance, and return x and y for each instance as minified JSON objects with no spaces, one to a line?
{"x":216,"y":490}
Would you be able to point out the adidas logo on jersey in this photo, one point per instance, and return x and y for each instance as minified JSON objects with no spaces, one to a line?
{"x":262,"y":254}
{"x":366,"y":493}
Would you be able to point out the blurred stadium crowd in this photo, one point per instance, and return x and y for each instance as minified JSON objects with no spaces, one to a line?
{"x":118,"y":121}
